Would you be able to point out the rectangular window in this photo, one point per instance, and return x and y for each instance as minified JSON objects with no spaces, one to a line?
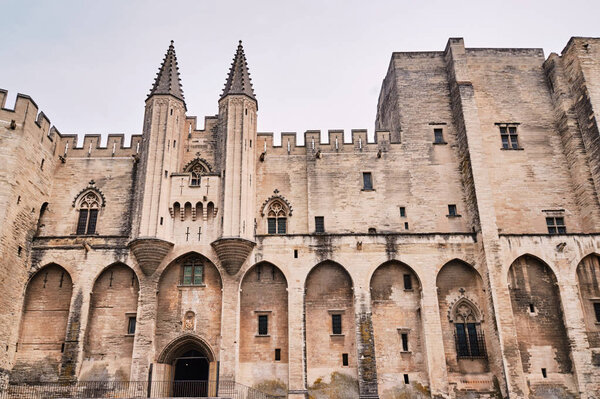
{"x":473,"y":339}
{"x":402,"y":212}
{"x":82,"y":222}
{"x":452,"y":210}
{"x":367,"y":181}
{"x":193,"y":273}
{"x":407,"y":282}
{"x":319,"y":224}
{"x":336,"y":323}
{"x":597,"y":311}
{"x":131,"y":325}
{"x":277,"y":351}
{"x":271,"y":225}
{"x":263,"y":324}
{"x":344,"y":359}
{"x":281,"y":225}
{"x":91,"y":228}
{"x":509,"y":137}
{"x":556,"y":225}
{"x":406,"y":380}
{"x":404,"y":337}
{"x":438,"y":135}
{"x":462,"y":345}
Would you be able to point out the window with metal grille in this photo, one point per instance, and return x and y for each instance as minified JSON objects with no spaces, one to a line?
{"x":193,"y":272}
{"x":319,"y":224}
{"x":131,"y":325}
{"x":336,"y":323}
{"x":509,"y":137}
{"x":263,"y":324}
{"x":367,"y":181}
{"x":407,"y":282}
{"x":556,"y":225}
{"x":277,"y":221}
{"x":469,"y":340}
{"x":452,"y":210}
{"x":438,"y":136}
{"x":597,"y":311}
{"x":404,"y":337}
{"x":86,"y":223}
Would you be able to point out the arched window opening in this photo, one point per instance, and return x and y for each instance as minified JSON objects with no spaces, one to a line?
{"x":276,"y":218}
{"x":192,"y":271}
{"x":468,"y":335}
{"x":88,"y":214}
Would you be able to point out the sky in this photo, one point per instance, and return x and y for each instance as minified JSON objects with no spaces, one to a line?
{"x":89,"y":65}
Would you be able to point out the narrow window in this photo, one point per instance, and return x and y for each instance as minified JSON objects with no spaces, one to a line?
{"x":407,"y":282}
{"x":91,"y":227}
{"x":18,"y":200}
{"x":42,"y":165}
{"x":509,"y":137}
{"x":336,"y":324}
{"x":281,"y":225}
{"x":263,"y":324}
{"x":438,"y":136}
{"x":193,"y":272}
{"x":295,"y":253}
{"x":406,"y":380}
{"x":174,"y":143}
{"x":161,"y":220}
{"x":367,"y":181}
{"x":344,"y":359}
{"x":272,"y":225}
{"x":556,"y":225}
{"x":277,"y":354}
{"x":82,"y":222}
{"x":531,"y":308}
{"x":597,"y":311}
{"x":319,"y":224}
{"x":404,"y":337}
{"x":405,"y":225}
{"x":19,"y":250}
{"x":171,"y":111}
{"x":131,"y":325}
{"x":62,"y":348}
{"x":452,"y":210}
{"x":166,"y":174}
{"x":544,"y":373}
{"x":402,"y":212}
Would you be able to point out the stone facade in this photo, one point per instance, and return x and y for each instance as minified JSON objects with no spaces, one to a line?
{"x":468,"y":267}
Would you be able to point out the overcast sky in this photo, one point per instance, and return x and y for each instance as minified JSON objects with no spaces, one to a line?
{"x":314,"y":64}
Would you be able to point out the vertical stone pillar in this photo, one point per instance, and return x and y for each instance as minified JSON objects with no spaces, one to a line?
{"x":433,"y":340}
{"x":229,"y":328}
{"x":365,"y":345}
{"x":588,"y":380}
{"x":78,"y":315}
{"x":296,"y":342}
{"x":143,"y":343}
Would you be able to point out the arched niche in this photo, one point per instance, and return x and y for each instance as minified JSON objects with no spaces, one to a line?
{"x":397,"y":327}
{"x":264,"y":357}
{"x":459,"y":284}
{"x":329,"y":301}
{"x":112,"y":320}
{"x":538,"y":317}
{"x":191,"y":283}
{"x":588,"y":279}
{"x":43,"y":325}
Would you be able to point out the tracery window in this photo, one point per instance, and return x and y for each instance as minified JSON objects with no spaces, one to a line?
{"x":197,"y":171}
{"x":89,"y":206}
{"x":276,"y":218}
{"x":468,"y":336}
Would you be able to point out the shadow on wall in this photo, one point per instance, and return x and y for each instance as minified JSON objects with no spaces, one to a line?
{"x":414,"y":390}
{"x":341,"y":386}
{"x":272,"y":387}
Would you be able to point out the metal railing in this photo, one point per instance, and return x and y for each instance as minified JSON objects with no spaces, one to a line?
{"x":130,"y":390}
{"x":470,"y":346}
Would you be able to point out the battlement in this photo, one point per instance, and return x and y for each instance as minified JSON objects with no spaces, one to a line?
{"x":93,"y":146}
{"x":335,"y":142}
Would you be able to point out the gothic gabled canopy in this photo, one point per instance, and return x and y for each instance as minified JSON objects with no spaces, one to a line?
{"x":238,"y":80}
{"x":167,"y":79}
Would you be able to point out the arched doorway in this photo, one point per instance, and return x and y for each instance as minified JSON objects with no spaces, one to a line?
{"x":186,"y":367}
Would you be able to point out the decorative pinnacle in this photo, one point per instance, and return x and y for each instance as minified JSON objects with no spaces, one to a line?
{"x":238,"y":79}
{"x":167,"y":79}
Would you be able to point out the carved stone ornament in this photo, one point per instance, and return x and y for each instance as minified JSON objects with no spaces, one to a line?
{"x":189,"y":323}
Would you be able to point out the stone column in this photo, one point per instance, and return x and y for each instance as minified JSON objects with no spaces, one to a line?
{"x":365,"y":345}
{"x":296,"y":342}
{"x":433,"y":340}
{"x":143,"y":343}
{"x":229,"y":329}
{"x":78,"y":315}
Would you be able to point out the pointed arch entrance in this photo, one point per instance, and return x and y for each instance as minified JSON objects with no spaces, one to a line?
{"x":188,"y":367}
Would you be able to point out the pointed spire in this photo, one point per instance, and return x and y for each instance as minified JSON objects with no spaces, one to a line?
{"x":238,"y":80}
{"x":167,"y":79}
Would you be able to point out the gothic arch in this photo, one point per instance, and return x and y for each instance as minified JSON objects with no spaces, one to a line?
{"x":465,"y":310}
{"x":276,"y":198}
{"x":332,"y":262}
{"x":395,"y":262}
{"x":538,"y":257}
{"x":116,"y":264}
{"x":182,"y":344}
{"x":82,"y":196}
{"x":588,"y":282}
{"x":200,"y":164}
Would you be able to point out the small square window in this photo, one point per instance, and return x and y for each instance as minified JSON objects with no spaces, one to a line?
{"x":556,"y":225}
{"x":319,"y":224}
{"x":263,"y":324}
{"x":277,"y":354}
{"x":336,"y":324}
{"x":510,"y":140}
{"x":438,"y":135}
{"x":402,"y":212}
{"x":367,"y":181}
{"x":452,"y":210}
{"x":131,"y":325}
{"x":344,"y":359}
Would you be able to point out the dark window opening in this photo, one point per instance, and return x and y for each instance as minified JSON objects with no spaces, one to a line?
{"x":19,"y":250}
{"x":161,"y":220}
{"x":131,"y":325}
{"x":277,"y":354}
{"x":406,"y":380}
{"x":193,"y":272}
{"x":509,"y":137}
{"x":438,"y":135}
{"x":42,"y":165}
{"x":263,"y":324}
{"x":556,"y":225}
{"x":87,"y":221}
{"x":597,"y":311}
{"x":469,"y":340}
{"x":367,"y":181}
{"x":404,"y":337}
{"x":407,"y":282}
{"x":405,"y":225}
{"x":544,"y":373}
{"x":319,"y":224}
{"x":531,"y":308}
{"x":62,"y":348}
{"x":452,"y":210}
{"x":336,"y":324}
{"x":372,"y":230}
{"x":344,"y":359}
{"x":402,"y":212}
{"x":18,"y":200}
{"x":276,"y":225}
{"x":295,"y":253}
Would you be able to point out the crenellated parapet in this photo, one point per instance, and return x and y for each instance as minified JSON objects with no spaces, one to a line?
{"x":116,"y":145}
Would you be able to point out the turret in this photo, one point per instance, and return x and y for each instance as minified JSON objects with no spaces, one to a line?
{"x":237,"y":157}
{"x":160,"y":156}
